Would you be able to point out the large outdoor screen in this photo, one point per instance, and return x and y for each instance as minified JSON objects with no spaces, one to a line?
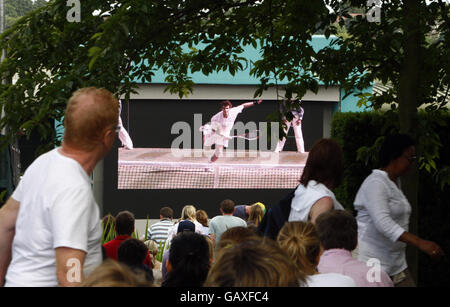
{"x":170,"y":150}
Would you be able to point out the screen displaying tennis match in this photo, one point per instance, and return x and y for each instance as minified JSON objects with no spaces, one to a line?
{"x":172,"y":144}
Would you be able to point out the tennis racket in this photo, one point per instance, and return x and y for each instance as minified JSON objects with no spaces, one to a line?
{"x":251,"y":135}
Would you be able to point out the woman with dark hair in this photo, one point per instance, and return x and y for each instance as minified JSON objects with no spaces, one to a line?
{"x":188,"y":262}
{"x":133,"y":252}
{"x":383,"y":212}
{"x":322,"y":173}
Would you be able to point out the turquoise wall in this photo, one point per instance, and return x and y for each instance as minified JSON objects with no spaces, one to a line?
{"x":241,"y":77}
{"x":349,"y":104}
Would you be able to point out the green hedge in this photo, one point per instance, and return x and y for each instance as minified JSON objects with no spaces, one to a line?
{"x":357,"y":134}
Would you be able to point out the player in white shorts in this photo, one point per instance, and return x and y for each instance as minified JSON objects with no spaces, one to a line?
{"x":296,"y":124}
{"x":218,"y":130}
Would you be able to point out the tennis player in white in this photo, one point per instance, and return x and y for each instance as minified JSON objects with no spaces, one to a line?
{"x":218,"y":131}
{"x":124,"y":137}
{"x":296,"y":123}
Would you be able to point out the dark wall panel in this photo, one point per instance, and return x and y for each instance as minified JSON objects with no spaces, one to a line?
{"x":149,"y":122}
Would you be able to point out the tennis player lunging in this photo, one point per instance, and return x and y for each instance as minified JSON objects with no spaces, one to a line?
{"x":218,"y":131}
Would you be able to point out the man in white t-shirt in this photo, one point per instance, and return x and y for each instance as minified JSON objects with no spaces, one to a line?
{"x":50,"y":231}
{"x":221,"y":125}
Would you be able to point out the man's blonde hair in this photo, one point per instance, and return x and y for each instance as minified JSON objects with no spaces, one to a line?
{"x":90,"y":111}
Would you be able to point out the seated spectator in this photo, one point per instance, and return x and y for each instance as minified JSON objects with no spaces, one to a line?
{"x":219,"y":224}
{"x":243,"y":211}
{"x":187,"y":214}
{"x":133,"y":252}
{"x":236,"y":235}
{"x":202,"y":218}
{"x":159,"y":231}
{"x":254,"y":263}
{"x":184,"y":226}
{"x":115,"y":274}
{"x":124,"y":228}
{"x":300,"y":241}
{"x":188,"y":262}
{"x":153,"y":249}
{"x":323,"y":172}
{"x":255,"y":217}
{"x":338,"y":234}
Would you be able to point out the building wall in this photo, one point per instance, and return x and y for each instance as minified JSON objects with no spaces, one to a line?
{"x":350,"y":103}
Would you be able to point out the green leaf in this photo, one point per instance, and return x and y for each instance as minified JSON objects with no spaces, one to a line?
{"x":93,"y":51}
{"x":92,"y":62}
{"x":97,"y":36}
{"x":146,"y":229}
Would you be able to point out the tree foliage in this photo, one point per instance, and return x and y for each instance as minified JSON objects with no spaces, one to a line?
{"x":377,"y":51}
{"x":407,"y":50}
{"x":14,"y":9}
{"x":50,"y":57}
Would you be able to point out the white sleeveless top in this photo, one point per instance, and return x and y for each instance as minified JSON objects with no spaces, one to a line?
{"x":306,"y":197}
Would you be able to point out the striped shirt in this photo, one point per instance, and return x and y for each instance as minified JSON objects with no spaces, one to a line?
{"x":159,"y":231}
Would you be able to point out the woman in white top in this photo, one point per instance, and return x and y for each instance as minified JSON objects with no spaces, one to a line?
{"x":188,"y":213}
{"x":322,"y":173}
{"x":383,"y":212}
{"x":300,"y":241}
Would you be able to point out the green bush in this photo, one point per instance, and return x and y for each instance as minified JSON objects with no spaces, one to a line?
{"x":360,"y":135}
{"x":358,"y":132}
{"x":109,"y":232}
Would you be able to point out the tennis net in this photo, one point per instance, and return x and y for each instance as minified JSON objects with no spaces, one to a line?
{"x":230,"y":173}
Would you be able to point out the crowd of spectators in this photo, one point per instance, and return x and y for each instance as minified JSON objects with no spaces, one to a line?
{"x":50,"y":227}
{"x":316,"y":244}
{"x":233,"y":252}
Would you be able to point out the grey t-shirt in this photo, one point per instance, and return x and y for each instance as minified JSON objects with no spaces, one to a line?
{"x":221,"y":223}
